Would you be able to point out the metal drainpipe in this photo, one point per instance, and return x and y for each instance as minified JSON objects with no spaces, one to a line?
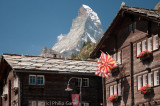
{"x":131,"y":73}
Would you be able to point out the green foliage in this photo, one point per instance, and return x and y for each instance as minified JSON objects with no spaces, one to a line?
{"x":86,"y":49}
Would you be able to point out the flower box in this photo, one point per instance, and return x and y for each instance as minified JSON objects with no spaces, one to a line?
{"x":145,"y":55}
{"x":115,"y":69}
{"x":145,"y":89}
{"x":113,"y":98}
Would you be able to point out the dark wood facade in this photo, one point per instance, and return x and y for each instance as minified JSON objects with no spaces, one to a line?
{"x":131,"y":26}
{"x":52,"y":93}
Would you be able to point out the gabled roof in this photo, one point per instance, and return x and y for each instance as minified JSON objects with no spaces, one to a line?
{"x":37,"y":63}
{"x":149,"y":14}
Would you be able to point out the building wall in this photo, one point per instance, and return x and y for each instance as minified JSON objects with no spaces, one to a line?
{"x":124,"y":39}
{"x":12,"y":96}
{"x":53,"y":92}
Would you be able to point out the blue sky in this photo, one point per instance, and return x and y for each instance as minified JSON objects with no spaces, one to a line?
{"x":26,"y":26}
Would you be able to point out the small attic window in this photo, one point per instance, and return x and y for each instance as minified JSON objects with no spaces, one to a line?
{"x":132,"y":27}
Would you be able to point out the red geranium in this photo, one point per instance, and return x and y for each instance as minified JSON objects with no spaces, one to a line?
{"x":113,"y":97}
{"x":144,"y":53}
{"x":145,"y":89}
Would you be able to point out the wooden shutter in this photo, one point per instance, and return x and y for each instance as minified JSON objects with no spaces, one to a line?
{"x":111,"y":90}
{"x":144,"y":79}
{"x":150,"y":79}
{"x":149,"y":44}
{"x":115,"y":89}
{"x":119,"y":89}
{"x":139,"y":82}
{"x":156,"y":78}
{"x":119,"y":57}
{"x":138,"y":48}
{"x":155,"y":42}
{"x":144,"y":45}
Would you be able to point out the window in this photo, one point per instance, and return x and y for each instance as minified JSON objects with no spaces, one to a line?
{"x":139,"y":82}
{"x":119,"y":89}
{"x":36,"y":103}
{"x":150,"y":79}
{"x":111,"y":90}
{"x":40,"y":80}
{"x":36,"y":79}
{"x":32,"y":79}
{"x":132,"y":27}
{"x":138,"y":48}
{"x":156,"y":78}
{"x":5,"y":89}
{"x":144,"y":45}
{"x":115,"y":89}
{"x":150,"y":44}
{"x":155,"y":42}
{"x":114,"y":57}
{"x":15,"y":83}
{"x":85,"y":82}
{"x":117,"y":57}
{"x":84,"y":104}
{"x":145,"y":80}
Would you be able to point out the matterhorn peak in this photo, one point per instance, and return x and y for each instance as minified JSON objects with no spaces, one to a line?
{"x":85,"y":27}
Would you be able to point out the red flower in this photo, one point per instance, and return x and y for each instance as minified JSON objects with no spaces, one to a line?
{"x":143,"y":53}
{"x":113,"y":97}
{"x":145,"y":89}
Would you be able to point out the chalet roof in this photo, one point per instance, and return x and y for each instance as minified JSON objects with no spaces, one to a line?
{"x":23,"y":62}
{"x":150,"y":14}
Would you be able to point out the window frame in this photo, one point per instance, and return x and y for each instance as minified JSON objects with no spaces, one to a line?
{"x":110,"y":90}
{"x":86,"y":82}
{"x":147,"y":43}
{"x":30,"y":81}
{"x":153,"y":42}
{"x":137,"y":48}
{"x":156,"y":76}
{"x":43,"y":79}
{"x":140,"y":82}
{"x":117,"y":89}
{"x":116,"y":57}
{"x":145,"y":80}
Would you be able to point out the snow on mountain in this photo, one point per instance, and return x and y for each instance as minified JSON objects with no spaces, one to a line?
{"x":60,"y":37}
{"x":86,"y":26}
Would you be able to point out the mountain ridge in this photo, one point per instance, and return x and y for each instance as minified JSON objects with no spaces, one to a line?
{"x":86,"y":26}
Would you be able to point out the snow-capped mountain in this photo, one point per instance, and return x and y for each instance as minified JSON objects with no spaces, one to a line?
{"x":86,"y":26}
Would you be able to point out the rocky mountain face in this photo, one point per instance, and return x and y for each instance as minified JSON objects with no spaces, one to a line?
{"x":86,"y":27}
{"x":46,"y":52}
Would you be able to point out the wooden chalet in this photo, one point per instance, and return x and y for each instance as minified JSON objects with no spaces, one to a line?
{"x":133,"y":31}
{"x":38,"y":81}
